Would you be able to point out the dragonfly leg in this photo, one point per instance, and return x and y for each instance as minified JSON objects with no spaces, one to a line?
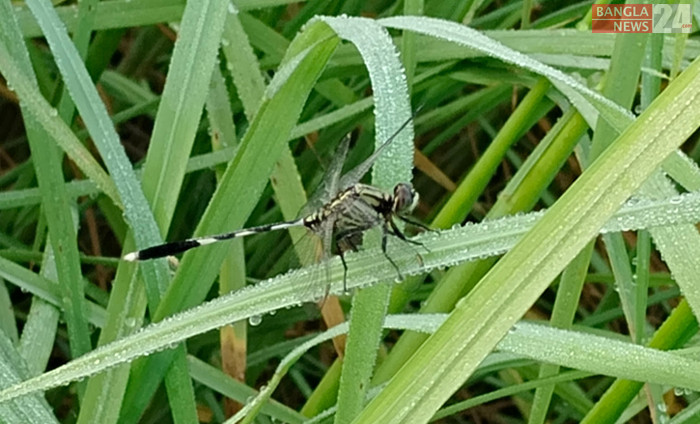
{"x":386,"y":255}
{"x":344,"y":242}
{"x":413,"y":222}
{"x":397,"y":232}
{"x":345,"y":265}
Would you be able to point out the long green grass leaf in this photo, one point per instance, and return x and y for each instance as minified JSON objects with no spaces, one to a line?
{"x":57,"y":206}
{"x":391,"y":108}
{"x":444,"y":361}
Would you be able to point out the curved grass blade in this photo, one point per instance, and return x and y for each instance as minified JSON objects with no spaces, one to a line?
{"x":449,"y":247}
{"x":527,"y":340}
{"x":56,"y":204}
{"x":444,"y":361}
{"x":589,"y":103}
{"x":392,"y":110}
{"x":234,"y":200}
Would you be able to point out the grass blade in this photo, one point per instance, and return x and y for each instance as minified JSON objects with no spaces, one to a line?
{"x":444,"y":361}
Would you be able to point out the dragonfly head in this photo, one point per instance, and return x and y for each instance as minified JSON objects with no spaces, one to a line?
{"x":405,"y":199}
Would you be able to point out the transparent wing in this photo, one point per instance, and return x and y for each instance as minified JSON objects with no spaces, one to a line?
{"x":326,"y":236}
{"x":329,"y":184}
{"x":355,"y":174}
{"x":314,"y":248}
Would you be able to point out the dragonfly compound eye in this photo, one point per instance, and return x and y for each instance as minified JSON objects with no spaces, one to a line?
{"x":405,"y":198}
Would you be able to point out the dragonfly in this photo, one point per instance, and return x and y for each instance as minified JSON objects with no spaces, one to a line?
{"x":341,"y":221}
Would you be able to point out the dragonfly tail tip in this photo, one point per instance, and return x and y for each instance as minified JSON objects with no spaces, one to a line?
{"x":131,"y":257}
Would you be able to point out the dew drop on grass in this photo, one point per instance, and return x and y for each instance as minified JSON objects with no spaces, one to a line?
{"x":255,"y":320}
{"x":682,"y":391}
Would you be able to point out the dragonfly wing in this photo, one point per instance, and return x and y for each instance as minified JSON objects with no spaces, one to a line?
{"x":355,"y":174}
{"x":326,"y":236}
{"x":315,"y":249}
{"x":329,"y":185}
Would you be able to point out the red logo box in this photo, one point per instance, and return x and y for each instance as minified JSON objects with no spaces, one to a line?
{"x":617,"y":18}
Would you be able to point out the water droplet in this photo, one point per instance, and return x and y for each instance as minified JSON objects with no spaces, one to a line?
{"x":255,"y":320}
